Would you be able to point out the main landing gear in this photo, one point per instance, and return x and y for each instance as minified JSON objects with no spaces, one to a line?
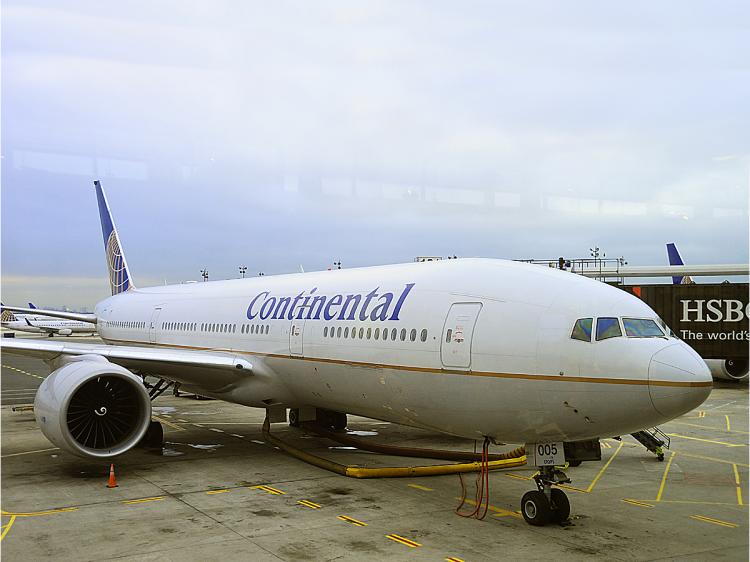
{"x":546,"y":504}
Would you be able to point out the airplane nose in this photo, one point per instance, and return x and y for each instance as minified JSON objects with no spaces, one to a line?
{"x":678,"y":380}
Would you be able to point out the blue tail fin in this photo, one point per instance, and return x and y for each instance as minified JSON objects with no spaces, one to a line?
{"x":119,"y":274}
{"x":674,"y":259}
{"x":31,"y":305}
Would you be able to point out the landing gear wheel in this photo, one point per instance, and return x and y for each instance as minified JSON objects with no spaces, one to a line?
{"x":154,"y":437}
{"x":575,"y":463}
{"x":294,"y":417}
{"x":660,"y":456}
{"x":535,"y":508}
{"x":339,"y":420}
{"x":560,"y":506}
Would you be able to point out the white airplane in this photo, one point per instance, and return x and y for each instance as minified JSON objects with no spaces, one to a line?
{"x":477,"y":348}
{"x":734,"y":369}
{"x":40,"y":324}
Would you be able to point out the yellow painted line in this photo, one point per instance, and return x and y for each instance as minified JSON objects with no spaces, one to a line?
{"x":403,"y":540}
{"x":168,"y":423}
{"x":606,"y":445}
{"x":454,"y":559}
{"x":216,"y":430}
{"x":707,"y":440}
{"x":36,"y":513}
{"x":144,"y":500}
{"x":29,"y":452}
{"x":702,"y":414}
{"x":738,"y":482}
{"x":696,"y":502}
{"x":714,"y":521}
{"x":714,"y":459}
{"x":217,"y":492}
{"x":708,"y":427}
{"x":636,"y":502}
{"x":269,"y":490}
{"x":518,"y":476}
{"x":418,"y":487}
{"x":499,"y":511}
{"x":351,"y":520}
{"x":308,"y":503}
{"x":23,"y":372}
{"x":7,"y":527}
{"x":664,"y":477}
{"x":729,"y":427}
{"x":591,"y":486}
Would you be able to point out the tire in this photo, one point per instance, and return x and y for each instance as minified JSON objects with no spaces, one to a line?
{"x":294,"y":417}
{"x":560,"y":506}
{"x":339,"y":420}
{"x":535,"y":508}
{"x":154,"y":437}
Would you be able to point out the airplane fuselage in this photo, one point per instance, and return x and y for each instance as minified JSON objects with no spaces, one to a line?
{"x":468,"y":347}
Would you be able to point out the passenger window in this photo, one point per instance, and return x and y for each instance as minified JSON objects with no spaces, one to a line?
{"x":377,"y":333}
{"x":346,"y":332}
{"x":403,"y":334}
{"x":448,"y":335}
{"x":607,"y":328}
{"x":338,"y":332}
{"x":423,"y":335}
{"x":582,"y":329}
{"x":361,"y":333}
{"x":325,"y":332}
{"x":369,"y":333}
{"x":393,"y":334}
{"x":354,"y":333}
{"x":268,"y":327}
{"x":413,"y":335}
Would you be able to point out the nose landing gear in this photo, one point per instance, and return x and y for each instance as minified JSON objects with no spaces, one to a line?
{"x":546,"y":504}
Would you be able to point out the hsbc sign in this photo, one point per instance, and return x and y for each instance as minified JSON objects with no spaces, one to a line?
{"x":714,"y":310}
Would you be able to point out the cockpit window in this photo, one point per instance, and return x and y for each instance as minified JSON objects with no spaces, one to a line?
{"x":607,"y":328}
{"x":582,"y":329}
{"x":641,"y":328}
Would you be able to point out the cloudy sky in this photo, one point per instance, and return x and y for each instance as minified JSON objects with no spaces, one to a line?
{"x":277,"y":134}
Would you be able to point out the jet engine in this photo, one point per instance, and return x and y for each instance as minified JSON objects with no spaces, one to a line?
{"x":728,"y":369}
{"x":64,"y":332}
{"x":93,"y":408}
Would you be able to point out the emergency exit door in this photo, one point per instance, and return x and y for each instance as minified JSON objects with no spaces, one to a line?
{"x":296,"y":333}
{"x":455,"y":349}
{"x":153,"y":323}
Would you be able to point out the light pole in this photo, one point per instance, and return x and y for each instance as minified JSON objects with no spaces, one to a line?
{"x":243,"y":270}
{"x":204,"y":274}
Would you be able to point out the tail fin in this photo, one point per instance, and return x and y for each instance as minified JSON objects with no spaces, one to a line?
{"x":119,"y":274}
{"x":675,"y":259}
{"x":31,"y":305}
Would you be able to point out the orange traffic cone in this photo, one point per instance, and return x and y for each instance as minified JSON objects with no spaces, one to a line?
{"x":112,"y":482}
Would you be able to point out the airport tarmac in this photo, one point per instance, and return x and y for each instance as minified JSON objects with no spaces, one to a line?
{"x":217,"y":491}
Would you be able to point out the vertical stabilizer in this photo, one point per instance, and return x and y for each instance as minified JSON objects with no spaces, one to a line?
{"x":119,"y":274}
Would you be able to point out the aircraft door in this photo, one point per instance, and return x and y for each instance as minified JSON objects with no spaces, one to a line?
{"x":153,"y":324}
{"x":296,"y":333}
{"x":455,"y":347}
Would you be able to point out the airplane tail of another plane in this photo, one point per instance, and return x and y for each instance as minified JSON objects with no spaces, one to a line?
{"x":31,"y":305}
{"x":676,"y":259}
{"x":119,"y":274}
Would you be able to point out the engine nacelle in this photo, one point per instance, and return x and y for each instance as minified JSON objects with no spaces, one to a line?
{"x":728,"y":369}
{"x":64,"y":332}
{"x":93,"y":408}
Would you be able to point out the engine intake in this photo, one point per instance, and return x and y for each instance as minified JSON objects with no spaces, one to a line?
{"x":93,"y":408}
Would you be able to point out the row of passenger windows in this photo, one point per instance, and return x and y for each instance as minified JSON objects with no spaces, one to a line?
{"x":368,"y":333}
{"x":179,"y":326}
{"x":124,"y":324}
{"x":609,"y":327}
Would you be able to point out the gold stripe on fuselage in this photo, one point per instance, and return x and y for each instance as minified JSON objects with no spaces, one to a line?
{"x":519,"y":376}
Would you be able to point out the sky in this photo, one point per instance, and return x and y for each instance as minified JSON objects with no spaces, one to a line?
{"x":274,"y":135}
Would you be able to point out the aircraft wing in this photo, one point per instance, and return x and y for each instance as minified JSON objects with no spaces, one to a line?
{"x":205,"y":369}
{"x":54,"y":313}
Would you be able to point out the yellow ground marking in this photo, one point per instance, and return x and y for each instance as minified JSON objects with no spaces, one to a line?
{"x":308,"y":503}
{"x":664,"y":477}
{"x":518,"y":476}
{"x":598,"y":476}
{"x":636,"y":502}
{"x":216,"y":430}
{"x":708,"y":427}
{"x":210,"y":492}
{"x":418,"y":487}
{"x":168,"y":423}
{"x":269,"y":490}
{"x":697,"y":502}
{"x":29,"y":452}
{"x":23,"y":372}
{"x":702,"y":414}
{"x":454,"y":559}
{"x":729,"y":428}
{"x":403,"y":540}
{"x":499,"y":511}
{"x":37,"y":513}
{"x":7,"y":527}
{"x":714,"y":459}
{"x":738,"y":483}
{"x":143,"y":500}
{"x":352,"y":521}
{"x":606,"y":445}
{"x":707,"y":440}
{"x":714,"y":521}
